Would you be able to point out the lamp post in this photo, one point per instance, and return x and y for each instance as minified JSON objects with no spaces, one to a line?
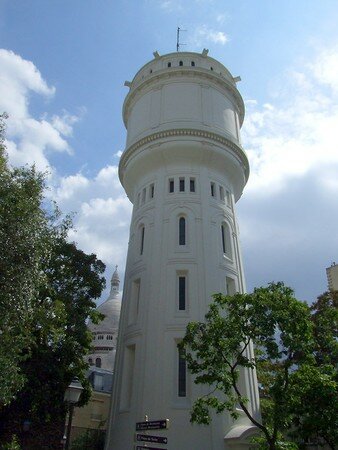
{"x":72,"y":396}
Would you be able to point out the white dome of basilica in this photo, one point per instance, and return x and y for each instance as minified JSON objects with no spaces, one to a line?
{"x":105,"y":332}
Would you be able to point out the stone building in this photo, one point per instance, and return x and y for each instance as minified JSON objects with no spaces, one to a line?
{"x":94,"y":415}
{"x":332,"y":277}
{"x":183,"y":169}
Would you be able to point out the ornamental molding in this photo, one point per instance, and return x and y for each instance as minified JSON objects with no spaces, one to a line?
{"x":186,"y":132}
{"x":162,"y":76}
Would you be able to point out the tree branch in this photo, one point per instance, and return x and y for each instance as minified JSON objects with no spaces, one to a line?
{"x":247,"y":412}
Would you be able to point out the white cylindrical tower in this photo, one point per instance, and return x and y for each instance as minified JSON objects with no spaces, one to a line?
{"x":183,"y":169}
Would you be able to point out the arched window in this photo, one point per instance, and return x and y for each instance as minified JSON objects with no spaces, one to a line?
{"x":193,"y":63}
{"x":98,"y":362}
{"x":181,"y":63}
{"x":182,"y":231}
{"x":226,"y":239}
{"x":211,"y":68}
{"x":169,"y":64}
{"x":90,"y":361}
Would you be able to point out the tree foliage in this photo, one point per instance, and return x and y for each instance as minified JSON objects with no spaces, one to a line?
{"x":89,"y":440}
{"x":282,"y":330}
{"x":47,"y":292}
{"x":25,"y":246}
{"x":315,"y":387}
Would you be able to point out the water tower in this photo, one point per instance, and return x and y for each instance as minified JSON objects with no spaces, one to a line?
{"x":183,"y":169}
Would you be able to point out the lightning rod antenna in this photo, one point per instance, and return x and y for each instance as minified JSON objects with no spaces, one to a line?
{"x":178,"y":43}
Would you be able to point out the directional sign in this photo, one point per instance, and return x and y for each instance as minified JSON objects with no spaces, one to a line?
{"x":152,"y":425}
{"x":153,"y":439}
{"x":140,"y":447}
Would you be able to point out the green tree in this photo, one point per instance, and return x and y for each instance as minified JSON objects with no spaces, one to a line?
{"x":62,"y":339}
{"x":315,"y":387}
{"x":314,"y":405}
{"x":25,"y":245}
{"x":89,"y":440}
{"x":47,"y":292}
{"x":325,"y":320}
{"x":280,"y":328}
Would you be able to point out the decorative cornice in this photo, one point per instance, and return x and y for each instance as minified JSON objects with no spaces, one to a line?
{"x":177,"y":132}
{"x":195,"y":72}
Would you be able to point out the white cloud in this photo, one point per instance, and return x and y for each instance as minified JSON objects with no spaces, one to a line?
{"x":325,"y":68}
{"x":296,"y":132}
{"x":64,"y":124}
{"x":17,"y":78}
{"x":70,"y":186}
{"x":171,"y":5}
{"x":203,"y":34}
{"x":102,"y":226}
{"x":221,"y":18}
{"x":102,"y":213}
{"x":28,"y":138}
{"x":288,"y":213}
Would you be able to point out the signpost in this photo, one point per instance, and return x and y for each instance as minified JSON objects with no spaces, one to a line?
{"x":153,"y":439}
{"x":140,"y":447}
{"x":162,"y":424}
{"x":152,"y":425}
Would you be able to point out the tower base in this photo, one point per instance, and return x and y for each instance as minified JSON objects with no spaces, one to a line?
{"x":239,"y":437}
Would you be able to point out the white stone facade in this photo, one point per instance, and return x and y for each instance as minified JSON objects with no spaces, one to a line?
{"x":183,"y":169}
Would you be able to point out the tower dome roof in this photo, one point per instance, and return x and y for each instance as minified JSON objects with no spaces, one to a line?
{"x":115,"y":279}
{"x":111,"y":310}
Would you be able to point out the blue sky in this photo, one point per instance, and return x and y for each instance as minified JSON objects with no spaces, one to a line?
{"x":63,"y":64}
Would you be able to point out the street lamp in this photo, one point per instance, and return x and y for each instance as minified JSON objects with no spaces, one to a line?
{"x":72,"y":396}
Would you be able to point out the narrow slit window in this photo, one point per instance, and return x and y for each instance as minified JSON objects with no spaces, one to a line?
{"x":142,"y":241}
{"x":171,"y":185}
{"x":181,"y":231}
{"x":192,"y":184}
{"x":182,"y":375}
{"x":228,"y":196}
{"x":221,"y":193}
{"x":152,"y":190}
{"x":182,"y":290}
{"x":181,"y":63}
{"x":127,"y":382}
{"x":223,"y":238}
{"x":134,"y":301}
{"x":169,"y":64}
{"x":137,"y":288}
{"x":226,"y":240}
{"x":182,"y":185}
{"x":212,"y":189}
